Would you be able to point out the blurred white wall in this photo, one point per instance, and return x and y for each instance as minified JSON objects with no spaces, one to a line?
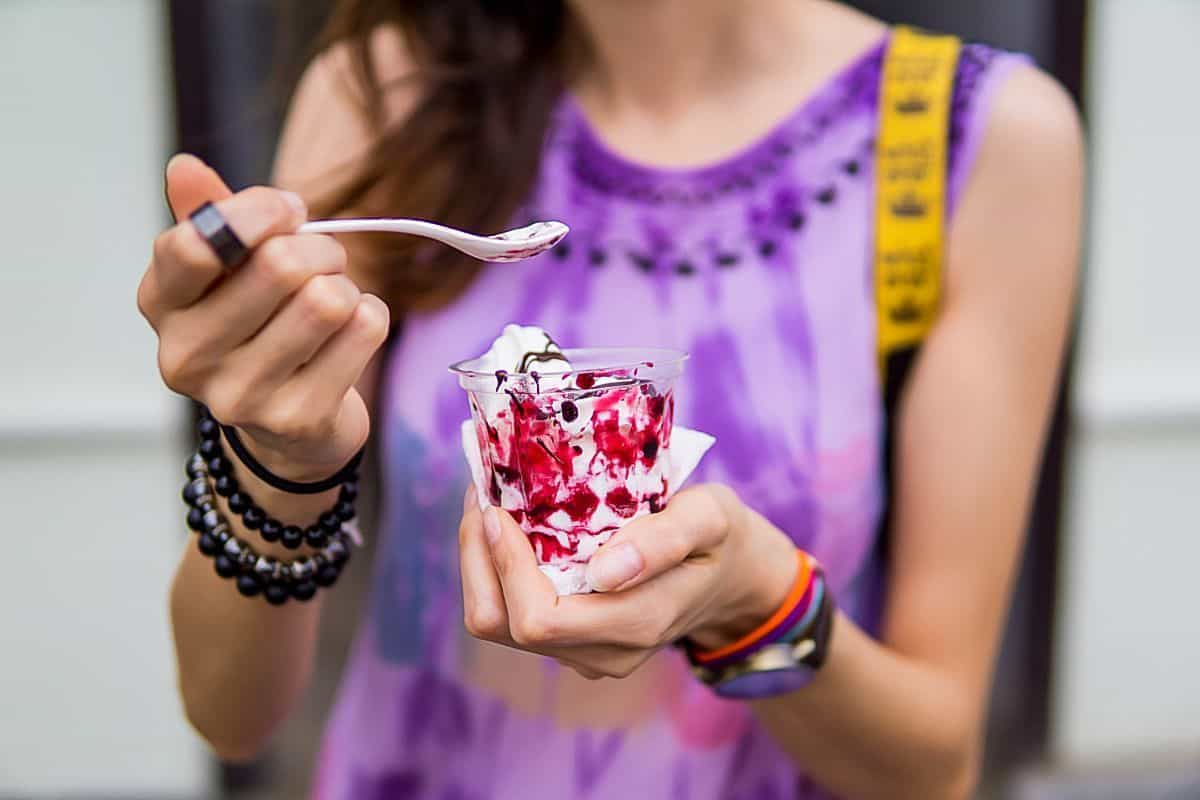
{"x":1127,"y":684}
{"x":90,"y":452}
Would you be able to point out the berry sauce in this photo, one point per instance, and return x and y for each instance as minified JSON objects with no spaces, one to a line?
{"x":573,"y":464}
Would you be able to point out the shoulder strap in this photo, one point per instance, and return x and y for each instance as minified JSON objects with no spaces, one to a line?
{"x":910,"y":192}
{"x":918,"y":81}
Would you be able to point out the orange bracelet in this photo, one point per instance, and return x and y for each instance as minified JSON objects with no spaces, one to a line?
{"x":795,"y":606}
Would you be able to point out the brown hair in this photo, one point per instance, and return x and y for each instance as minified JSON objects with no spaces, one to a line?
{"x":490,"y":73}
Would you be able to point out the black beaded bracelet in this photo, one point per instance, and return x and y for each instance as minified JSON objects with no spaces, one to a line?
{"x":277,"y":581}
{"x":253,"y":516}
{"x":349,"y":472}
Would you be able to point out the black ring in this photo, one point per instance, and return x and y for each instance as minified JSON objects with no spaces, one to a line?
{"x":213,"y":228}
{"x":344,"y":474}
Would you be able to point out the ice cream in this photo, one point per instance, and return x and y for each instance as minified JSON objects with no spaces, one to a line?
{"x":573,"y":444}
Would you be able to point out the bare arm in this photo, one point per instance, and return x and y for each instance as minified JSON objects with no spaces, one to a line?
{"x":903,"y":717}
{"x":243,"y":664}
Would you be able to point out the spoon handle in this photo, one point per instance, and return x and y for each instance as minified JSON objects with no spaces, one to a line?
{"x":412,"y":226}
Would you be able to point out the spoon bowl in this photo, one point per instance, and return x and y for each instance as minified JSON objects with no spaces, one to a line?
{"x":515,"y":245}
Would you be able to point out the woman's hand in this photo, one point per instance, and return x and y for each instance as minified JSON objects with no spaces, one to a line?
{"x":273,"y":347}
{"x":705,"y":567}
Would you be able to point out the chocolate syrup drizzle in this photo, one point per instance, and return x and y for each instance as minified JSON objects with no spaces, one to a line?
{"x":545,"y":355}
{"x":550,"y":452}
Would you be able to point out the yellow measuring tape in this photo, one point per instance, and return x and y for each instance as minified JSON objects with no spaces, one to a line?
{"x":915,"y":97}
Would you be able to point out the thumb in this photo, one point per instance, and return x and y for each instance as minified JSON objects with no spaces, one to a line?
{"x":693,"y":523}
{"x":190,"y":184}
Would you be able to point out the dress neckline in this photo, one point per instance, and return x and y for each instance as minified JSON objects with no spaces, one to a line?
{"x":599,"y":165}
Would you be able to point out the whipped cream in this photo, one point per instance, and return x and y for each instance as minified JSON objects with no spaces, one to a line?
{"x":523,"y":348}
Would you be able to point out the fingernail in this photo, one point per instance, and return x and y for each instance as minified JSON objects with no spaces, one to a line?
{"x":491,"y":524}
{"x":175,"y":159}
{"x":610,"y":568}
{"x":468,"y":498}
{"x":297,"y":203}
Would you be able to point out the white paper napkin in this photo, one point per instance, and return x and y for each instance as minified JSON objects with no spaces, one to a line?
{"x":687,"y":448}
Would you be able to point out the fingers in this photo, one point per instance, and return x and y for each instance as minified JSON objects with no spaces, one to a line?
{"x":484,"y":612}
{"x":693,"y":523}
{"x":190,"y":184}
{"x":529,"y":596}
{"x":317,"y":399}
{"x":281,"y":269}
{"x":539,"y":620}
{"x":197,"y":342}
{"x":305,"y":323}
{"x":508,"y":600}
{"x":185,"y":266}
{"x":238,"y":340}
{"x":340,"y":361}
{"x":259,"y":213}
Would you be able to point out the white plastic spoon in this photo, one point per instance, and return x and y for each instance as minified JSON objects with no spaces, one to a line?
{"x":514,"y":245}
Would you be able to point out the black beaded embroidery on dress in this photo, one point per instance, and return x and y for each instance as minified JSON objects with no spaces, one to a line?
{"x":606,"y":175}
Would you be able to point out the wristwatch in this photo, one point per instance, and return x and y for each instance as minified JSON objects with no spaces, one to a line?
{"x":785,"y":665}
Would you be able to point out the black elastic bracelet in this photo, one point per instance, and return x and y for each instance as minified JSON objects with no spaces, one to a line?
{"x":253,"y":516}
{"x":283,"y":484}
{"x":198,"y":490}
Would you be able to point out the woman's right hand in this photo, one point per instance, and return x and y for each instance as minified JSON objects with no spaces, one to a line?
{"x":273,"y":347}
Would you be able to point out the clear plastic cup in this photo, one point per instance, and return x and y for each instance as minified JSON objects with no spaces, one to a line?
{"x":574,"y":455}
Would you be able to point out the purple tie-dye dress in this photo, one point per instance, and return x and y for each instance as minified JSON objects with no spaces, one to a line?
{"x":760,"y":267}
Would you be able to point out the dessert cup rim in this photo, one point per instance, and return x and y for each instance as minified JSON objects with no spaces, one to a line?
{"x":633,"y":357}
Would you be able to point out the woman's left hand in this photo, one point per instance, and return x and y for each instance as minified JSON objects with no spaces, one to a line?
{"x":705,"y":567}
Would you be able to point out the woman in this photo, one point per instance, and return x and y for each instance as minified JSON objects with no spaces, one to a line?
{"x":646,"y":126}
